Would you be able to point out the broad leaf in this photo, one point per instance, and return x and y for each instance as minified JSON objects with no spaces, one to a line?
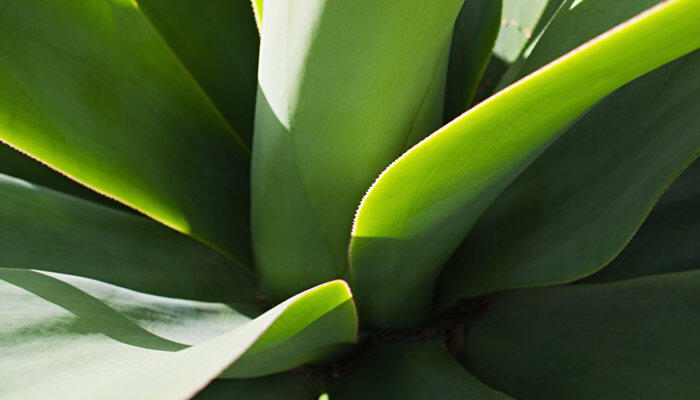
{"x":574,"y":209}
{"x":70,"y":337}
{"x":324,"y":127}
{"x":668,"y":239}
{"x":92,"y":90}
{"x":217,"y":42}
{"x":630,"y":339}
{"x":422,"y":206}
{"x":413,"y":371}
{"x":52,"y":231}
{"x":518,"y":22}
{"x":472,"y":40}
{"x":18,"y":165}
{"x":275,"y":387}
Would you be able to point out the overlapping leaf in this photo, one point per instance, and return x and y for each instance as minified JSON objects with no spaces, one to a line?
{"x":91,"y":89}
{"x":275,"y":387}
{"x":574,"y":209}
{"x":52,"y":231}
{"x":422,"y":206}
{"x":70,"y":337}
{"x":324,"y":128}
{"x":630,"y":339}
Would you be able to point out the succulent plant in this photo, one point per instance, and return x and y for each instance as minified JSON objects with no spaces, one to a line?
{"x":349,"y":199}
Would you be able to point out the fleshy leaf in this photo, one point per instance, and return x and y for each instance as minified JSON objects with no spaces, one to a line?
{"x":56,"y":232}
{"x":91,"y":89}
{"x":472,"y":40}
{"x":421,"y":207}
{"x":325,"y":127}
{"x":217,"y":41}
{"x":415,"y":371}
{"x":668,"y":239}
{"x":629,"y":339}
{"x":70,"y":337}
{"x":274,"y":387}
{"x":574,"y":209}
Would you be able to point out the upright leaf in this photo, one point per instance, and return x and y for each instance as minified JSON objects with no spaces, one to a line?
{"x":629,"y":339}
{"x":52,"y":231}
{"x":421,"y":207}
{"x":472,"y":40}
{"x":343,"y":89}
{"x":217,"y":42}
{"x":412,"y":371}
{"x":574,"y":209}
{"x":69,"y":337}
{"x":90,"y":89}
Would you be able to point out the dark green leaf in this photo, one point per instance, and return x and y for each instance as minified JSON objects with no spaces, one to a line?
{"x":64,"y":336}
{"x":473,"y":37}
{"x":415,"y":371}
{"x":422,"y":206}
{"x":634,"y":339}
{"x":91,"y":89}
{"x":275,"y":387}
{"x":574,"y":209}
{"x":668,"y":239}
{"x":217,"y":42}
{"x":52,"y":231}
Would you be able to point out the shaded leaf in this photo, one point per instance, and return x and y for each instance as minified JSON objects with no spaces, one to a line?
{"x":630,"y":339}
{"x":415,"y":371}
{"x":273,"y":387}
{"x":574,"y":209}
{"x":421,"y":207}
{"x":70,"y":337}
{"x":668,"y":239}
{"x":472,"y":40}
{"x":217,"y":41}
{"x":91,"y":89}
{"x":325,"y":127}
{"x":56,"y":232}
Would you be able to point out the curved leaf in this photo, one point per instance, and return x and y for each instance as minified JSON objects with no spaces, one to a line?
{"x":69,"y":337}
{"x":629,"y":339}
{"x":422,"y":206}
{"x":273,"y":387}
{"x":668,"y":239}
{"x":217,"y":42}
{"x":574,"y":209}
{"x":56,"y":232}
{"x":90,"y":89}
{"x":472,"y":40}
{"x":415,"y":371}
{"x":324,"y":127}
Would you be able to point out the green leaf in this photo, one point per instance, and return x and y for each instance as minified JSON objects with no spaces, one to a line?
{"x":70,"y":337}
{"x":668,"y":239}
{"x":18,"y":165}
{"x":574,"y":209}
{"x":421,"y":207}
{"x":52,"y":231}
{"x":273,"y":387}
{"x":517,"y":24}
{"x":217,"y":42}
{"x":473,"y":38}
{"x":90,"y":89}
{"x":257,"y":12}
{"x":629,"y":339}
{"x":324,"y":128}
{"x":414,"y":371}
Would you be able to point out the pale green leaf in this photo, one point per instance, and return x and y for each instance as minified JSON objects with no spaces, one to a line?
{"x":421,"y":207}
{"x":324,"y":128}
{"x":70,"y":337}
{"x":91,"y":89}
{"x":633,"y":339}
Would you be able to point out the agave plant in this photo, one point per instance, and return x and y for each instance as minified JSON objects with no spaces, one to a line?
{"x":351,"y":199}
